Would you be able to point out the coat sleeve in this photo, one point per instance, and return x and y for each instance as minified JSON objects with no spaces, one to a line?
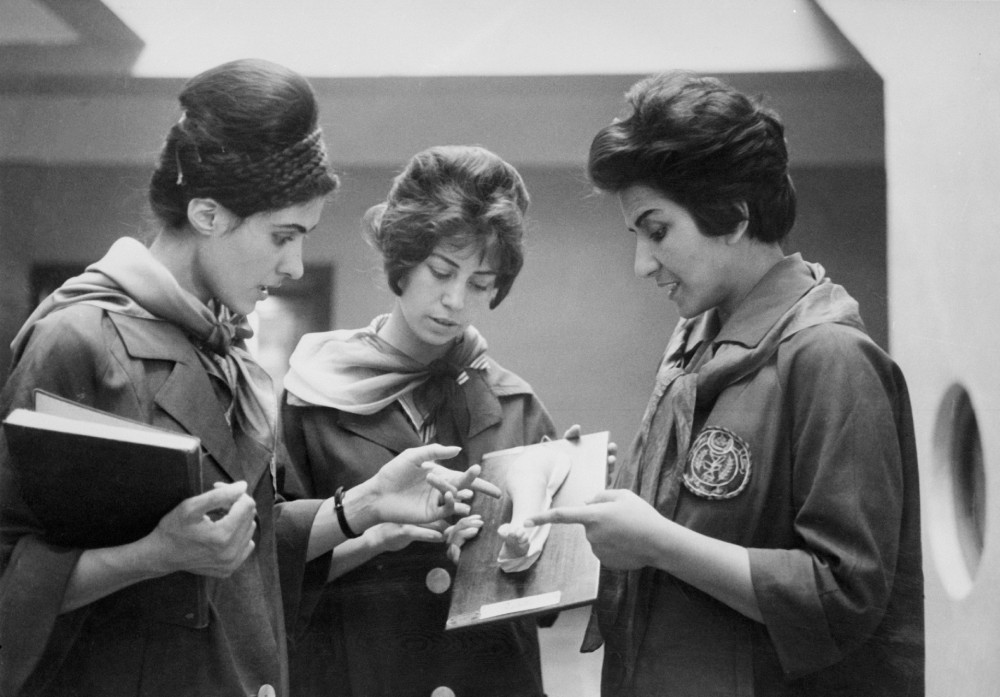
{"x":65,"y":358}
{"x":826,"y":597}
{"x":302,"y":581}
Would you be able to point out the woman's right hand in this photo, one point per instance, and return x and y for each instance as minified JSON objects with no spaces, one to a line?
{"x":210,"y":534}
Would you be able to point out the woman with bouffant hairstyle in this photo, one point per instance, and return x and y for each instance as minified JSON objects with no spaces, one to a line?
{"x":449,"y":235}
{"x":157,"y":335}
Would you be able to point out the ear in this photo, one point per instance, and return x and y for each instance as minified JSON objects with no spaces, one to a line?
{"x":739,"y":232}
{"x":209,"y":217}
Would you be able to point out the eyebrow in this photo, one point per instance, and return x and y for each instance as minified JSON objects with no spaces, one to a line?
{"x":294,"y":227}
{"x":454,"y":264}
{"x":645,"y":214}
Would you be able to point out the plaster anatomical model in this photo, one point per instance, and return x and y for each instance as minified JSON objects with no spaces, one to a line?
{"x":530,"y":486}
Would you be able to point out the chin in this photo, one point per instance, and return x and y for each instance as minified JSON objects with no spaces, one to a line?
{"x":241,"y":308}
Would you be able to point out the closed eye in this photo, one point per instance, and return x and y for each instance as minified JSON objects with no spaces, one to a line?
{"x":281,"y":239}
{"x":657,"y":233}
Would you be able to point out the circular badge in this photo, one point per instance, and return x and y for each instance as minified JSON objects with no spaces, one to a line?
{"x":718,"y":464}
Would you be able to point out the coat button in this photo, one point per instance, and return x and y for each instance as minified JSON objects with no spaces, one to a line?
{"x":266,"y":691}
{"x":443,"y":692}
{"x":438,"y":581}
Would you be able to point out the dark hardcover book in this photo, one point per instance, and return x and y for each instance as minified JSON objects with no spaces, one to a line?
{"x":94,"y":479}
{"x":566,"y":573}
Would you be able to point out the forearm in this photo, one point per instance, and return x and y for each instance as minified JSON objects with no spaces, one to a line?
{"x":101,"y":572}
{"x":718,"y":568}
{"x":353,"y":553}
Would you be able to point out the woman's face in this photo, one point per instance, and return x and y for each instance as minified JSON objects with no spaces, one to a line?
{"x":445,"y":293}
{"x":239,"y":266}
{"x":694,"y":269}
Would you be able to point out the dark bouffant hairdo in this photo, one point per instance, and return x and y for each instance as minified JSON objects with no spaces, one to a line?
{"x":455,"y":195}
{"x":705,"y":146}
{"x":248,"y":138}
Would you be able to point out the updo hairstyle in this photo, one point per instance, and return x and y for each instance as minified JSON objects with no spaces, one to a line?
{"x":459,"y":196}
{"x":247,"y":138}
{"x":705,"y":146}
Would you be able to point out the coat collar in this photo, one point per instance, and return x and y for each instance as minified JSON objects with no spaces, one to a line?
{"x":187,"y":394}
{"x":774,"y":294}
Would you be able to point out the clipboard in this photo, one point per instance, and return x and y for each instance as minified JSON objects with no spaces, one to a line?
{"x":564,"y":576}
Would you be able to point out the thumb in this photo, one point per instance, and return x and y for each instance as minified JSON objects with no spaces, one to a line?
{"x":221,"y":496}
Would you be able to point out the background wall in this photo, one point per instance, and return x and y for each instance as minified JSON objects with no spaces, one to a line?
{"x":942,"y":102}
{"x":578,"y":325}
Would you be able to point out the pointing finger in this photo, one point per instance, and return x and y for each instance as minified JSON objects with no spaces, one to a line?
{"x":566,"y":514}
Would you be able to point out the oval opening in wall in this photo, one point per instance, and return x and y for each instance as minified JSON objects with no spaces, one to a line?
{"x":957,"y":493}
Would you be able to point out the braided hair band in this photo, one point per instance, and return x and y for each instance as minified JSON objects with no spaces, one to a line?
{"x":277,"y":176}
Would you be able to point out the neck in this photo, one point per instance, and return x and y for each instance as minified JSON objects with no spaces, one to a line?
{"x":753,"y":265}
{"x":178,"y":256}
{"x":397,"y":332}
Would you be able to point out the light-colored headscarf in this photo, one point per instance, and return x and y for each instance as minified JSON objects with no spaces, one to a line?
{"x":130,"y":281}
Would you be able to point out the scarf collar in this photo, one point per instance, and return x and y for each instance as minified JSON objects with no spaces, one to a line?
{"x":128,"y":280}
{"x":792,"y":296}
{"x":357,"y":371}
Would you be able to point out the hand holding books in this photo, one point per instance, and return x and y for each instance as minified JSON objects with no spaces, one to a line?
{"x":210,"y":534}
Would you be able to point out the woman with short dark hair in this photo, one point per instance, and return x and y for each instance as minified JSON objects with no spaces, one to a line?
{"x":763,"y":535}
{"x":450,"y":238}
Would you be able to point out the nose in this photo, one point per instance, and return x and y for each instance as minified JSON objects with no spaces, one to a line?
{"x":453,"y":297}
{"x":646,"y":264}
{"x":291,"y":261}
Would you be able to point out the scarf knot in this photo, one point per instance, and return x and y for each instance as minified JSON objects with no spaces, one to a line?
{"x":129,"y":280}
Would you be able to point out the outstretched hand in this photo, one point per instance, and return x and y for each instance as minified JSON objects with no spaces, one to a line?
{"x":618,"y":524}
{"x":412,"y":488}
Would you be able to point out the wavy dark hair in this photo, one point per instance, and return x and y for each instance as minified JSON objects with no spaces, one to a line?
{"x":707,"y":147}
{"x":248,"y":138}
{"x":456,"y":195}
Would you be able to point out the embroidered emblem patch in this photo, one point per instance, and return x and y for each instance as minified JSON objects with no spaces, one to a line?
{"x":718,"y":464}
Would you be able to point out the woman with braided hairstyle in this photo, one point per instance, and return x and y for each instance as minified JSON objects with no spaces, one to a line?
{"x":157,"y":335}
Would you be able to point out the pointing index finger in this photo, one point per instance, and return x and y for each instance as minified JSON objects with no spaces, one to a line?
{"x":565,"y":514}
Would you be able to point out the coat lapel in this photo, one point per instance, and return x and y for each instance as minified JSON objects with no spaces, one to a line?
{"x":389,"y":428}
{"x":187,"y":394}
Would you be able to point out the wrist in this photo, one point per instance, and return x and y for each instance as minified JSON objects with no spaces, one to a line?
{"x":359,"y":509}
{"x":147,"y":557}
